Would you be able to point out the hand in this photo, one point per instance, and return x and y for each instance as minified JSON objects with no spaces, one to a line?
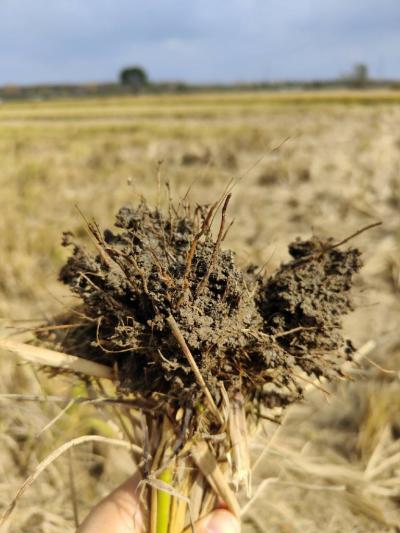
{"x":120,"y":512}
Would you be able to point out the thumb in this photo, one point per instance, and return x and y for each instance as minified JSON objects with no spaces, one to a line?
{"x":219,"y":521}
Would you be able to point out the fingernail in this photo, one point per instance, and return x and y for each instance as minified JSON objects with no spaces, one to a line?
{"x":222,"y":521}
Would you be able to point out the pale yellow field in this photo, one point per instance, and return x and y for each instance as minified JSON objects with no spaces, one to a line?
{"x":325,"y":163}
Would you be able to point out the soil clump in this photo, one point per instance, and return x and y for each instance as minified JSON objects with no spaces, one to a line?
{"x":245,"y":333}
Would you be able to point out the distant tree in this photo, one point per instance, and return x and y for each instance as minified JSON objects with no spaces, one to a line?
{"x":359,"y":76}
{"x":134,"y":77}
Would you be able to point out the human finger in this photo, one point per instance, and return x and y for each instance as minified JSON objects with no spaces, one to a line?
{"x":119,"y":512}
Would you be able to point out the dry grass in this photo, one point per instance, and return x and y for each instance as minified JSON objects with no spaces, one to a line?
{"x":338,"y":171}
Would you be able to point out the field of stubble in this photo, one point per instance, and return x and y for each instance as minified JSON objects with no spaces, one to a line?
{"x":307,"y":164}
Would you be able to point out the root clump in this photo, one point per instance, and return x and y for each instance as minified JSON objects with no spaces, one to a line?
{"x":244,"y":332}
{"x":201,"y":349}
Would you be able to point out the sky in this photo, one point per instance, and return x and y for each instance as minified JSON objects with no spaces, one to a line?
{"x":201,"y":41}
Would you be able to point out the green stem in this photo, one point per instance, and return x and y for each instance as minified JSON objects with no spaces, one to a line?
{"x":164,"y":502}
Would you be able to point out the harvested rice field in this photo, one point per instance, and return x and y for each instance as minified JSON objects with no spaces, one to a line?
{"x":312,"y":166}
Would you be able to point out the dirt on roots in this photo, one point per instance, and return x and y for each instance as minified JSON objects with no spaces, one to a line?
{"x":245,"y":332}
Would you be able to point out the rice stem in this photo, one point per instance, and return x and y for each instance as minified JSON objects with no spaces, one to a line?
{"x":164,"y":501}
{"x":46,"y":357}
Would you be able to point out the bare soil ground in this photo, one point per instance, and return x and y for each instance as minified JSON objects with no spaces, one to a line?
{"x":307,"y":167}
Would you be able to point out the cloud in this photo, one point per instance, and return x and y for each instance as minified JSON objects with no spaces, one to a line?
{"x":200,"y":40}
